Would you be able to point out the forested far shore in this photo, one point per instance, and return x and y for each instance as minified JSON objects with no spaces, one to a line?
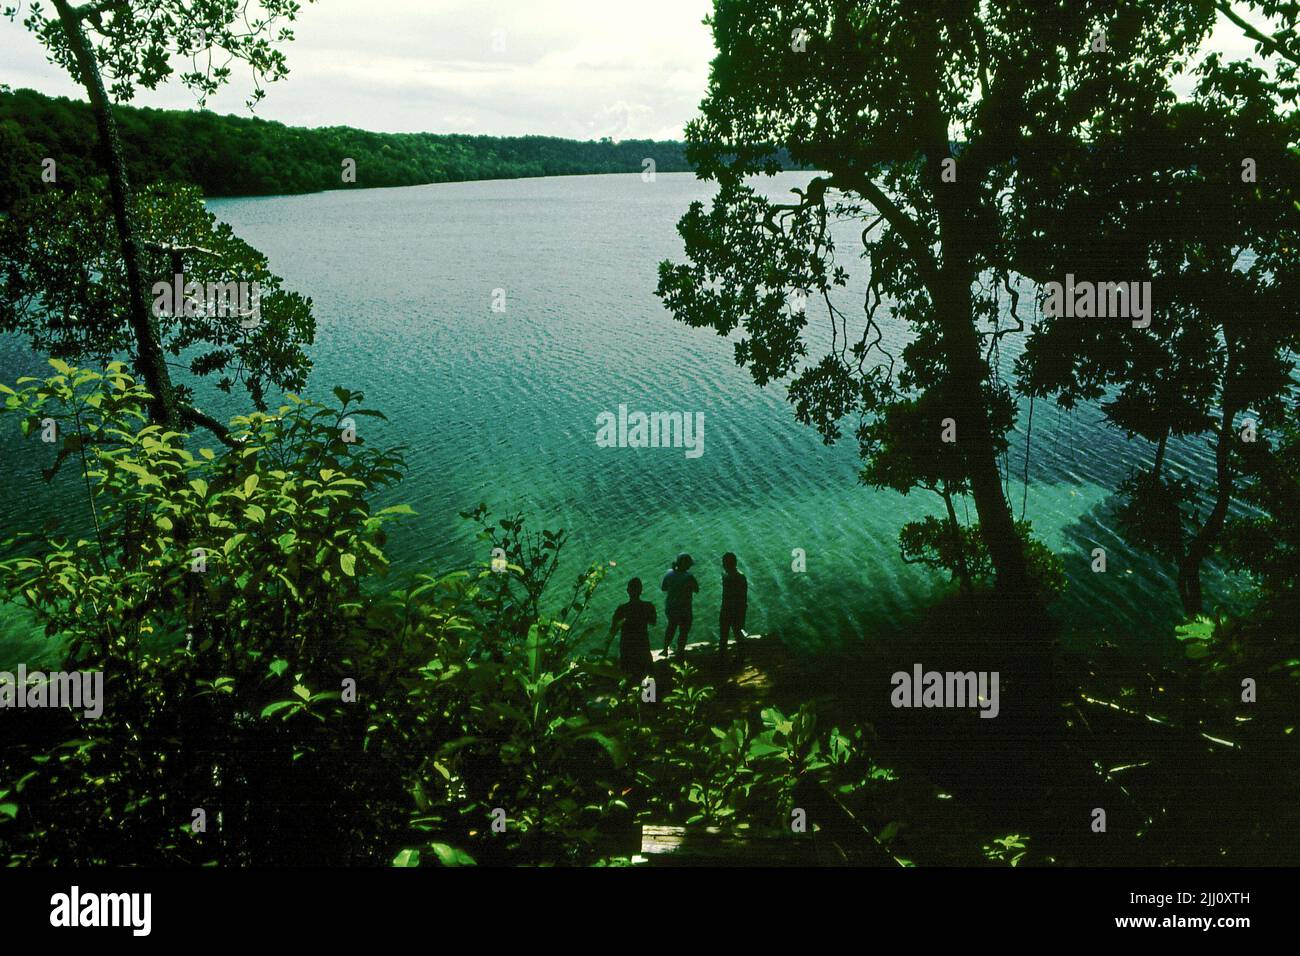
{"x":246,"y":156}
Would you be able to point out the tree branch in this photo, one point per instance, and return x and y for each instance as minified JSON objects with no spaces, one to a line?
{"x":919,"y":243}
{"x":167,"y":249}
{"x":192,"y":416}
{"x":149,"y":355}
{"x":1263,"y":39}
{"x":93,"y":11}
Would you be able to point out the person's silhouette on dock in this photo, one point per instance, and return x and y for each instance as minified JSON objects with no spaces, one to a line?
{"x":680,"y":586}
{"x":735,"y":598}
{"x":634,"y":618}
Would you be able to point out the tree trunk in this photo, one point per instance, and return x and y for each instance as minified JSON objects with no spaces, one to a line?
{"x":967,"y":373}
{"x":1160,"y":455}
{"x":963,"y":570}
{"x":1189,"y":566}
{"x":150,"y":362}
{"x":950,"y":292}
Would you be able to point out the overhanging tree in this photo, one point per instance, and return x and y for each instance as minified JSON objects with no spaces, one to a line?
{"x":134,"y":43}
{"x":63,"y":286}
{"x":1197,"y":198}
{"x":921,"y":118}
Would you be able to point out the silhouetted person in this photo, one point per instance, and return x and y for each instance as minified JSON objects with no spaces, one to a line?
{"x":735,"y":597}
{"x":635,"y":618}
{"x":680,"y":585}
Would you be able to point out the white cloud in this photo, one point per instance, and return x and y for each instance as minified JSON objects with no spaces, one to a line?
{"x":578,"y":68}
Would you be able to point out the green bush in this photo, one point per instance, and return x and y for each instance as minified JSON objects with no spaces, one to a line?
{"x":256,"y":671}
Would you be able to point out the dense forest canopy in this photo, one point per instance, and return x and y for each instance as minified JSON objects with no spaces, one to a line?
{"x":235,"y":155}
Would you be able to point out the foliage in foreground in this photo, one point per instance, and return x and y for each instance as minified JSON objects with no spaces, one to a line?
{"x":267,"y":703}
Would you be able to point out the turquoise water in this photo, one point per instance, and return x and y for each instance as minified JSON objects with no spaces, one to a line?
{"x":502,"y":407}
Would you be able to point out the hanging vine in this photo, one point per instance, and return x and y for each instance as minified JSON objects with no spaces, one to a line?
{"x":1029,"y":438}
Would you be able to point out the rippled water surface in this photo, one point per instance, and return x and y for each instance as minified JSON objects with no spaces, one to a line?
{"x":502,"y":408}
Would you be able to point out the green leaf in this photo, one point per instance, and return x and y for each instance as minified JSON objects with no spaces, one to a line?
{"x":348,"y":562}
{"x":612,"y":747}
{"x":534,"y":650}
{"x":1200,"y":628}
{"x":279,"y":705}
{"x":407,"y":858}
{"x":450,"y":856}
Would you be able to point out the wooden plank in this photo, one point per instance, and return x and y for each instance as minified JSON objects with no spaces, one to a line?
{"x":663,"y":845}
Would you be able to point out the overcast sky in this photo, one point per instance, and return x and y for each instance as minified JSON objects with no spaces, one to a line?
{"x":575,"y":68}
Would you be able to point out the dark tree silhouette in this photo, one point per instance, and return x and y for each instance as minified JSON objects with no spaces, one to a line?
{"x":1198,"y":196}
{"x":928,"y":121}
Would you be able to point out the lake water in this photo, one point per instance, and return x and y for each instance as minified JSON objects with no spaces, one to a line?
{"x":502,"y":407}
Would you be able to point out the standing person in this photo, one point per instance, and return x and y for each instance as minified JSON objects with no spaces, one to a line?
{"x":735,"y":597}
{"x":680,"y":586}
{"x":635,"y":618}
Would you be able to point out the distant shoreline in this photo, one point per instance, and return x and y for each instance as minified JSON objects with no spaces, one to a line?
{"x":228,"y":156}
{"x":445,"y":182}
